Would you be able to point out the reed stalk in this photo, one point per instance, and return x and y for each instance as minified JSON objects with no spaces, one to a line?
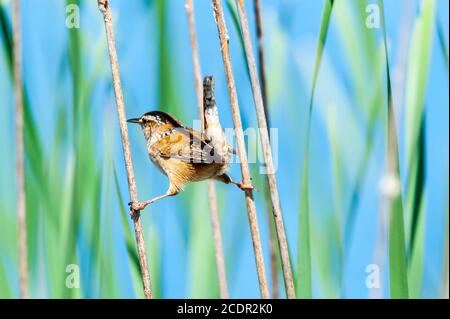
{"x":212,"y":194}
{"x":251,"y":208}
{"x":20,"y":153}
{"x":397,"y":250}
{"x":399,"y":84}
{"x":304,"y":275}
{"x":103,"y":6}
{"x":261,"y":56}
{"x":267,"y":152}
{"x":262,"y":78}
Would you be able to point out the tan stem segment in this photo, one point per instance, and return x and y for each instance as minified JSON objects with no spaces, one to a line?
{"x":104,"y":8}
{"x":251,"y":209}
{"x":267,"y":152}
{"x":20,"y":154}
{"x":212,"y":194}
{"x":220,"y":261}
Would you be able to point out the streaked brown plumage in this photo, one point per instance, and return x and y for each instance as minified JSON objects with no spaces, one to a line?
{"x":183,"y":154}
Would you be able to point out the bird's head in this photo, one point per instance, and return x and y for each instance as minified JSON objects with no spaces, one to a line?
{"x":155,"y":121}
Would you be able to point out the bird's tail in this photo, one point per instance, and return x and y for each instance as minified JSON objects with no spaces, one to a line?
{"x":209,"y":103}
{"x":213,"y":131}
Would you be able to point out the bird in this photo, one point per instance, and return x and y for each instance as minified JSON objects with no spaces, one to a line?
{"x":183,"y":154}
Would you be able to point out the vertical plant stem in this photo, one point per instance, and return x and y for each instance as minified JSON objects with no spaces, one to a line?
{"x":251,"y":208}
{"x":262,"y":78}
{"x":103,"y":6}
{"x":220,"y":261}
{"x":272,"y":250}
{"x":267,"y":152}
{"x":399,"y":84}
{"x":443,"y":46}
{"x":189,"y":6}
{"x":20,"y":169}
{"x":397,"y":250}
{"x":261,"y":57}
{"x":304,"y":275}
{"x":404,"y":38}
{"x":212,"y":194}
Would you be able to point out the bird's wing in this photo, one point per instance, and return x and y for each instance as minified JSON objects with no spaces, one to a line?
{"x":187,"y":145}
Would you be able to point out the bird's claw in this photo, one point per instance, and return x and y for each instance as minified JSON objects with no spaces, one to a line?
{"x":137,"y":206}
{"x":245,"y":187}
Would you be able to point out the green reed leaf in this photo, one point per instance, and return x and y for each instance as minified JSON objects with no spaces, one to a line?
{"x":417,"y":79}
{"x":304,"y":275}
{"x":397,"y":252}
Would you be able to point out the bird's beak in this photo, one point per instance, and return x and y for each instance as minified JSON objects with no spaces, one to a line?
{"x":137,"y":121}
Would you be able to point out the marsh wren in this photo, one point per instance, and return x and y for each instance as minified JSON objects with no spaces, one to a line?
{"x":183,"y":154}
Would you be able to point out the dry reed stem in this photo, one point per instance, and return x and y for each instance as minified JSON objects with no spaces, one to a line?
{"x":220,"y":260}
{"x":103,"y":6}
{"x":262,"y":77}
{"x":267,"y":152}
{"x":251,"y":209}
{"x":20,"y":154}
{"x":262,"y":68}
{"x":212,"y":194}
{"x":273,"y":256}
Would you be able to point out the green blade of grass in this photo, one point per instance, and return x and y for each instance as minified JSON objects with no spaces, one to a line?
{"x":397,"y":251}
{"x":304,"y":276}
{"x":167,"y":80}
{"x":336,"y":158}
{"x":6,"y":240}
{"x":231,"y":7}
{"x":204,"y":281}
{"x":365,"y":63}
{"x":129,"y":242}
{"x":41,"y":204}
{"x":5,"y":290}
{"x":74,"y":53}
{"x":61,"y":207}
{"x":416,"y":264}
{"x":36,"y":184}
{"x":94,"y":229}
{"x":155,"y":261}
{"x":84,"y":166}
{"x":418,"y":70}
{"x":6,"y":37}
{"x":105,"y":267}
{"x":325,"y":245}
{"x":442,"y":43}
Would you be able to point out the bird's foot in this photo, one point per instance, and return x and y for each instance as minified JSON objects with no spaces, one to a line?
{"x":245,"y":187}
{"x":137,"y":206}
